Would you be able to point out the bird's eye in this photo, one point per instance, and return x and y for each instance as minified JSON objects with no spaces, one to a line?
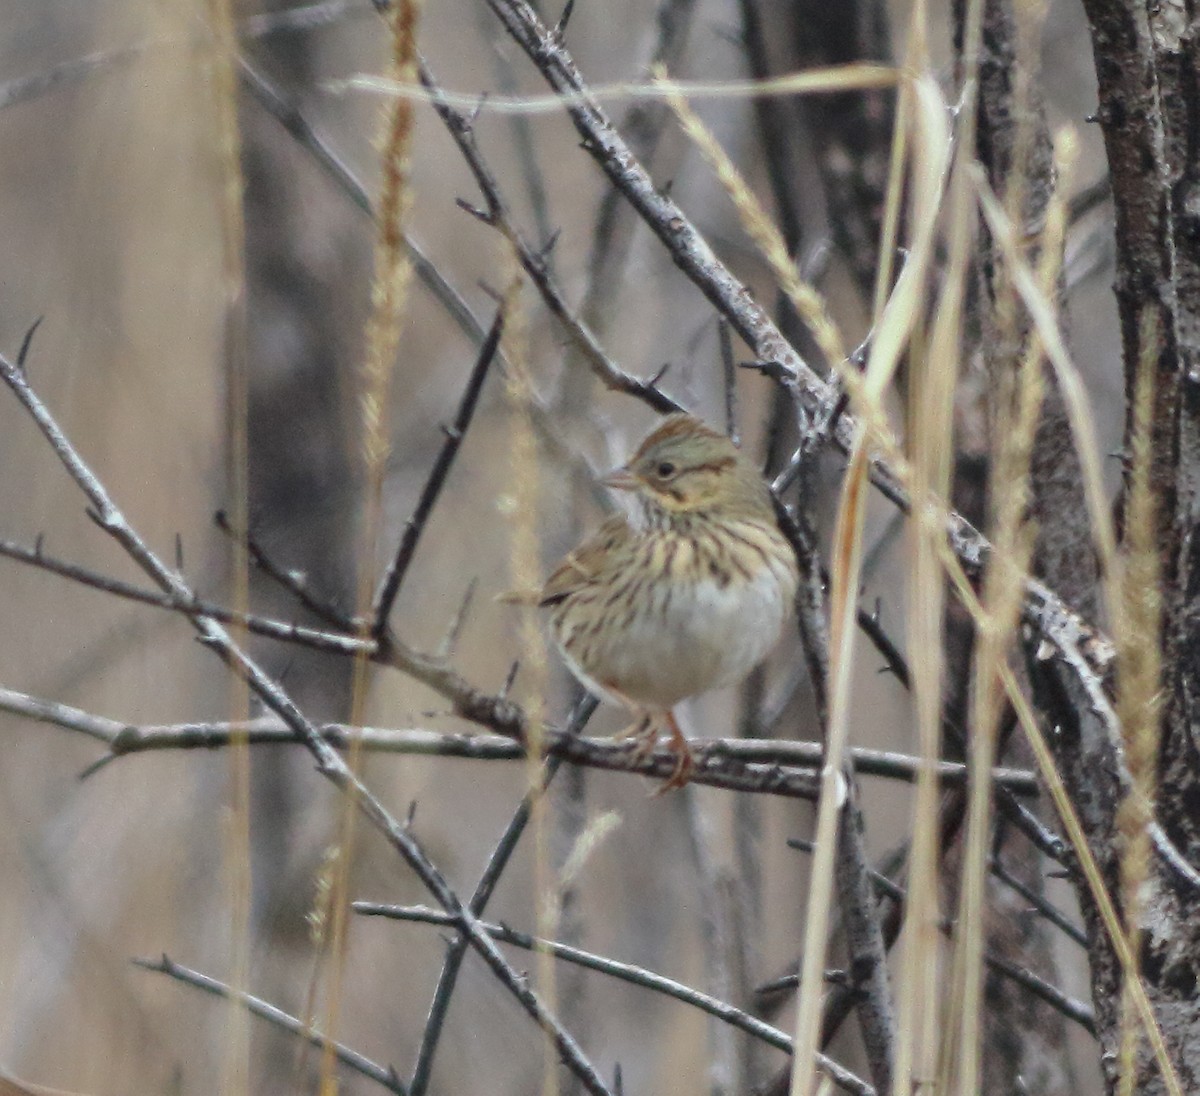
{"x":665,"y":469}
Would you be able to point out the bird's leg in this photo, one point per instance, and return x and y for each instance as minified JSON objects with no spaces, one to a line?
{"x":685,"y":764}
{"x":644,"y":731}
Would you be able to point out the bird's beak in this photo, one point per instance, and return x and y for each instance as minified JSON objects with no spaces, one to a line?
{"x":620,"y":479}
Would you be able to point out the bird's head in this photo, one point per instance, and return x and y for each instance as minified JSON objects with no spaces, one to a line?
{"x":685,"y":467}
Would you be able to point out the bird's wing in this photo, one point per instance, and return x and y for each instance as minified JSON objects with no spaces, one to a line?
{"x":580,"y":567}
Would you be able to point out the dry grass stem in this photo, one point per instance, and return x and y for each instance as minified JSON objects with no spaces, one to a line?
{"x":235,"y":1077}
{"x":1137,"y":631}
{"x":821,"y":81}
{"x":389,"y":295}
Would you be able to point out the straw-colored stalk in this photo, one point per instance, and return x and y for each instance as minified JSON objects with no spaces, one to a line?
{"x":859,"y":76}
{"x":389,"y":293}
{"x":1016,"y":410}
{"x":845,"y":569}
{"x":1048,"y":771}
{"x":1136,"y":627}
{"x":235,"y":1068}
{"x":893,"y":332}
{"x":524,"y":504}
{"x":918,"y":990}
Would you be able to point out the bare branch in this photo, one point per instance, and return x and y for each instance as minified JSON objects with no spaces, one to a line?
{"x":280,"y":1019}
{"x":496,"y":214}
{"x":329,"y":763}
{"x":638,"y":976}
{"x":711,"y":755}
{"x":484,"y":889}
{"x":394,"y":576}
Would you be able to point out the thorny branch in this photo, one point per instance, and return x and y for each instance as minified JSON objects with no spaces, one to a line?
{"x":484,"y":889}
{"x":123,"y":739}
{"x":273,"y":1015}
{"x":329,"y":764}
{"x":1087,"y":652}
{"x":628,"y":972}
{"x":495,"y":213}
{"x":455,"y":432}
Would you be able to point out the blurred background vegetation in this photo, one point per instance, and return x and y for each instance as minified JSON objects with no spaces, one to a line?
{"x":110,"y":210}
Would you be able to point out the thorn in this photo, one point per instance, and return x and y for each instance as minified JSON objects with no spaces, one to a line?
{"x":561,"y":26}
{"x":411,"y":816}
{"x":94,"y":515}
{"x":23,"y":353}
{"x":179,"y":552}
{"x":509,"y":680}
{"x":491,"y":291}
{"x":475,"y":211}
{"x":96,"y":766}
{"x":221,"y":520}
{"x":37,"y":544}
{"x":653,"y":381}
{"x":544,"y":253}
{"x":469,"y":120}
{"x":450,"y":640}
{"x":839,"y":409}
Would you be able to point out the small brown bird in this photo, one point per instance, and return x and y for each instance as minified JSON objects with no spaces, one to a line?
{"x":688,"y":595}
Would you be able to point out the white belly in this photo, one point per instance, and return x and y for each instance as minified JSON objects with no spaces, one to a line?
{"x":705,"y":636}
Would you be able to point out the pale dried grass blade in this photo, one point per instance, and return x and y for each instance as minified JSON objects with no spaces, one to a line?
{"x":1137,"y":623}
{"x":846,"y":566}
{"x":1074,"y":828}
{"x":860,"y":76}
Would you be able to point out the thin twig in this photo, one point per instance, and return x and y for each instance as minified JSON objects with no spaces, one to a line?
{"x":329,"y":764}
{"x":710,"y":754}
{"x":484,"y":889}
{"x":635,"y":975}
{"x":1044,"y":908}
{"x":276,"y":103}
{"x":331,"y":642}
{"x":1088,"y":653}
{"x":1038,"y":986}
{"x":280,"y":1019}
{"x":455,"y":433}
{"x":495,"y":213}
{"x":729,"y":368}
{"x":293,"y":582}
